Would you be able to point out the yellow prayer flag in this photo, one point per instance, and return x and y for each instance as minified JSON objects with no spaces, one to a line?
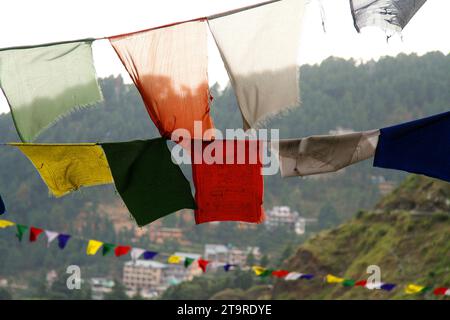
{"x":67,"y":167}
{"x":332,"y":279}
{"x":413,"y":288}
{"x":258,"y":270}
{"x":93,"y":247}
{"x":6,"y":223}
{"x":174,"y":259}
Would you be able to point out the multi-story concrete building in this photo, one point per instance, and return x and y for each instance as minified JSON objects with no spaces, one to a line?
{"x":144,"y":275}
{"x":100,"y":287}
{"x":281,"y":216}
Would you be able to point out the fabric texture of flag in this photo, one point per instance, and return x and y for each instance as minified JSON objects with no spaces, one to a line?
{"x":386,"y":14}
{"x":107,"y":248}
{"x":149,"y":255}
{"x":51,"y":235}
{"x":93,"y":246}
{"x":321,"y":154}
{"x":2,"y":206}
{"x":21,"y":229}
{"x":150,"y":184}
{"x":333,"y":279}
{"x":136,"y":253}
{"x":348,"y":283}
{"x":414,"y":288}
{"x":441,"y":292}
{"x":188,"y":261}
{"x":34,"y":233}
{"x":44,"y":83}
{"x":6,"y":224}
{"x":203,"y":264}
{"x":67,"y":167}
{"x":121,"y":250}
{"x":258,"y":270}
{"x":280,"y":273}
{"x":260,"y":50}
{"x":174,"y":259}
{"x":420,"y":146}
{"x":62,"y":240}
{"x":230,"y":185}
{"x":169,"y":65}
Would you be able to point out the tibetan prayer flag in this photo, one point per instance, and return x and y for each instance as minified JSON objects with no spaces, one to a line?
{"x":202,"y":264}
{"x":293,"y":276}
{"x":361,"y":283}
{"x":51,"y":235}
{"x":227,"y":267}
{"x":67,"y":167}
{"x":332,"y":279}
{"x":258,"y":270}
{"x":228,"y":181}
{"x":348,"y":283}
{"x":280,"y":273}
{"x":121,"y":250}
{"x":136,"y":253}
{"x":441,"y":292}
{"x":169,"y":66}
{"x":93,"y":247}
{"x":421,"y":146}
{"x":150,"y":184}
{"x":2,"y":206}
{"x":321,"y":154}
{"x":62,"y":240}
{"x":44,"y":83}
{"x":260,"y":49}
{"x":34,"y":233}
{"x":386,"y":14}
{"x":414,"y":288}
{"x":388,"y":286}
{"x":21,"y":229}
{"x":307,"y":276}
{"x":148,"y":255}
{"x":107,"y":247}
{"x":375,"y":285}
{"x":188,"y":261}
{"x":6,"y":224}
{"x":174,"y":259}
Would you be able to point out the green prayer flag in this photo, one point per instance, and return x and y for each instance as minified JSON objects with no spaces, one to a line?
{"x":21,"y":229}
{"x":107,"y":247}
{"x":348,"y":283}
{"x":150,"y":184}
{"x":43,"y":83}
{"x":266,"y":273}
{"x":188,"y":262}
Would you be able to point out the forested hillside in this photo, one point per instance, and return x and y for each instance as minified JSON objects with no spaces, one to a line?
{"x":336,"y":93}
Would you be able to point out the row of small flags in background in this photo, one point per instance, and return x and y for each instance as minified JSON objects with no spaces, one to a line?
{"x":94,"y":246}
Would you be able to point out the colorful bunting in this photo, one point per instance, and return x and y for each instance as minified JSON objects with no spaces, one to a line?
{"x":51,"y":235}
{"x":21,"y":229}
{"x":412,"y":147}
{"x":46,"y":82}
{"x":414,"y":288}
{"x":333,"y":279}
{"x":62,"y":240}
{"x":280,"y":273}
{"x":258,"y":270}
{"x":149,"y":255}
{"x":150,"y":184}
{"x":348,"y":283}
{"x":188,"y":261}
{"x":121,"y":250}
{"x":260,"y":49}
{"x":34,"y":233}
{"x":202,"y":264}
{"x":321,"y":154}
{"x":2,"y":206}
{"x":93,"y":246}
{"x":227,"y":267}
{"x":174,"y":259}
{"x":441,"y":292}
{"x":228,"y":185}
{"x":169,"y":68}
{"x":387,"y":14}
{"x":67,"y":167}
{"x":136,"y":253}
{"x":107,"y":247}
{"x":6,"y":224}
{"x":375,"y":285}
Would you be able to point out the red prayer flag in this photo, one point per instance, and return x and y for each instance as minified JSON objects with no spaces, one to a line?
{"x":361,"y":283}
{"x":203,"y":264}
{"x":280,"y":273}
{"x":121,"y":250}
{"x":440,"y":291}
{"x":229,"y":185}
{"x":34,"y":233}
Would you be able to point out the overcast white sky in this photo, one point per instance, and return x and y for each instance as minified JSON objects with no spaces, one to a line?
{"x":40,"y":21}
